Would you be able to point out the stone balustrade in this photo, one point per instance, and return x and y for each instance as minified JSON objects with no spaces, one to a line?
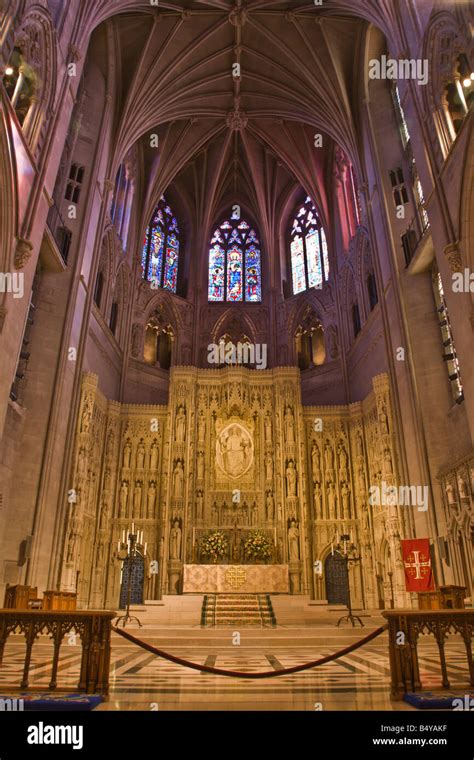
{"x":93,"y":628}
{"x":405,"y":627}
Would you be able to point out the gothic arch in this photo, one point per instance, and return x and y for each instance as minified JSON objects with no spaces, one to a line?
{"x":235,"y":325}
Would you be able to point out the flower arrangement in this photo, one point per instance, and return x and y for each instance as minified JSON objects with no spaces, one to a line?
{"x":214,"y":545}
{"x":257,"y":546}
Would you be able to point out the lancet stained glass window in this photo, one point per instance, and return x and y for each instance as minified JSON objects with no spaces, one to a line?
{"x":308,"y":249}
{"x":160,"y":251}
{"x":235,"y":263}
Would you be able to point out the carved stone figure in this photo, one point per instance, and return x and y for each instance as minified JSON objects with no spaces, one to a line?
{"x":81,"y":464}
{"x":387,"y":460}
{"x":200,"y":465}
{"x":462,"y":488}
{"x":127,"y":452}
{"x":137,"y":498}
{"x":290,"y":425}
{"x":178,"y":480}
{"x":201,"y":428}
{"x":270,"y":506}
{"x":153,"y":456}
{"x":450,"y":493}
{"x":293,"y":542}
{"x":331,"y":501}
{"x":268,"y":429}
{"x":346,"y":498}
{"x":359,"y":445}
{"x":268,"y":467}
{"x":343,"y":464}
{"x":315,"y":460}
{"x":140,"y":456}
{"x":328,"y":459}
{"x":175,"y":541}
{"x":317,"y":500}
{"x":151,"y":498}
{"x":86,"y":416}
{"x":200,"y":505}
{"x":234,"y":450}
{"x":180,"y":425}
{"x":291,"y":478}
{"x":123,"y":498}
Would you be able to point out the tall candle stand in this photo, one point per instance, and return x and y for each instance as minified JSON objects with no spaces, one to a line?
{"x":129,"y":549}
{"x":348,"y":553}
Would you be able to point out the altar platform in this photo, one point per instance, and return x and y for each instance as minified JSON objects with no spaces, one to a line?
{"x":228,"y":579}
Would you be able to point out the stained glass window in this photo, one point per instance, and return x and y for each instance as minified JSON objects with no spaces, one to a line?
{"x":308,"y":249}
{"x":160,"y":251}
{"x":235,"y":263}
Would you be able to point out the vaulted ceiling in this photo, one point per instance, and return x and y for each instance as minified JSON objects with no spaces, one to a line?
{"x":226,"y":135}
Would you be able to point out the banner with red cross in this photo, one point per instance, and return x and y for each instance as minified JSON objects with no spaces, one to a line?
{"x":417,"y":564}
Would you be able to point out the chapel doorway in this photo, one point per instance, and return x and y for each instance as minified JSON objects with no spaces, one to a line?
{"x":136,"y":582}
{"x":336,"y":580}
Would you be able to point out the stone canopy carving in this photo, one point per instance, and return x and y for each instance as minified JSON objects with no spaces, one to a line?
{"x":234,"y":450}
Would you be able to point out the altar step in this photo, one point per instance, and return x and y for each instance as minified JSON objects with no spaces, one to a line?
{"x":237,"y":609}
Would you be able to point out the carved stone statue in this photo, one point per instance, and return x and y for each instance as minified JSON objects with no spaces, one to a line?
{"x":328,"y":459}
{"x":462,"y":488}
{"x":268,"y":429}
{"x":387,"y":460}
{"x":383,"y":421}
{"x":450,"y":493}
{"x":151,"y":498}
{"x":175,"y":541}
{"x":86,"y":416}
{"x":137,"y":498}
{"x":317,"y":500}
{"x":315,"y":460}
{"x":200,"y":465}
{"x":331,"y":501}
{"x":153,"y":456}
{"x":270,"y":506}
{"x":359,"y":445}
{"x":343,"y":464}
{"x":346,"y":498}
{"x":127,"y":452}
{"x":290,"y":425}
{"x":123,"y":498}
{"x":293,"y":542}
{"x":201,"y":428}
{"x":178,"y":480}
{"x":180,"y":425}
{"x":140,"y":456}
{"x":200,"y":505}
{"x":81,"y":464}
{"x":291,"y":478}
{"x":268,"y":467}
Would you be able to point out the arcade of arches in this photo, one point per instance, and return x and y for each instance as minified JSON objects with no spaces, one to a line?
{"x":201,"y":180}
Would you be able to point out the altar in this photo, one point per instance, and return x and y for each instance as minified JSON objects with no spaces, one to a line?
{"x":235,"y":579}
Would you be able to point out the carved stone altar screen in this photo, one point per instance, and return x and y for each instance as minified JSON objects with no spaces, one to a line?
{"x":234,"y":450}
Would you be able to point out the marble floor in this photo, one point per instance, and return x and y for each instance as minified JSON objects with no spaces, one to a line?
{"x":141,"y":681}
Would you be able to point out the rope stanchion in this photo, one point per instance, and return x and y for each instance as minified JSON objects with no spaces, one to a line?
{"x":239,"y":673}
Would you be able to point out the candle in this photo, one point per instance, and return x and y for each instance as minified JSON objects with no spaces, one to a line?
{"x":344,"y":529}
{"x":118,"y":547}
{"x":144,"y":551}
{"x":123,"y":537}
{"x":332,"y":549}
{"x":133,"y":527}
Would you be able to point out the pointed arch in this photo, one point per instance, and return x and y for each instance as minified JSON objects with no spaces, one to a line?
{"x":235,"y":262}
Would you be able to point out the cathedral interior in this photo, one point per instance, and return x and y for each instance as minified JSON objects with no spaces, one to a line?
{"x":236,"y":302}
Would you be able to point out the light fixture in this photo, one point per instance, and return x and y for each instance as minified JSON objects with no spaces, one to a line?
{"x":466,"y":82}
{"x":472,"y":75}
{"x":9,"y":71}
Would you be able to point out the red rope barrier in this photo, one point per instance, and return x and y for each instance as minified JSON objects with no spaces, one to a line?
{"x":240,"y":674}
